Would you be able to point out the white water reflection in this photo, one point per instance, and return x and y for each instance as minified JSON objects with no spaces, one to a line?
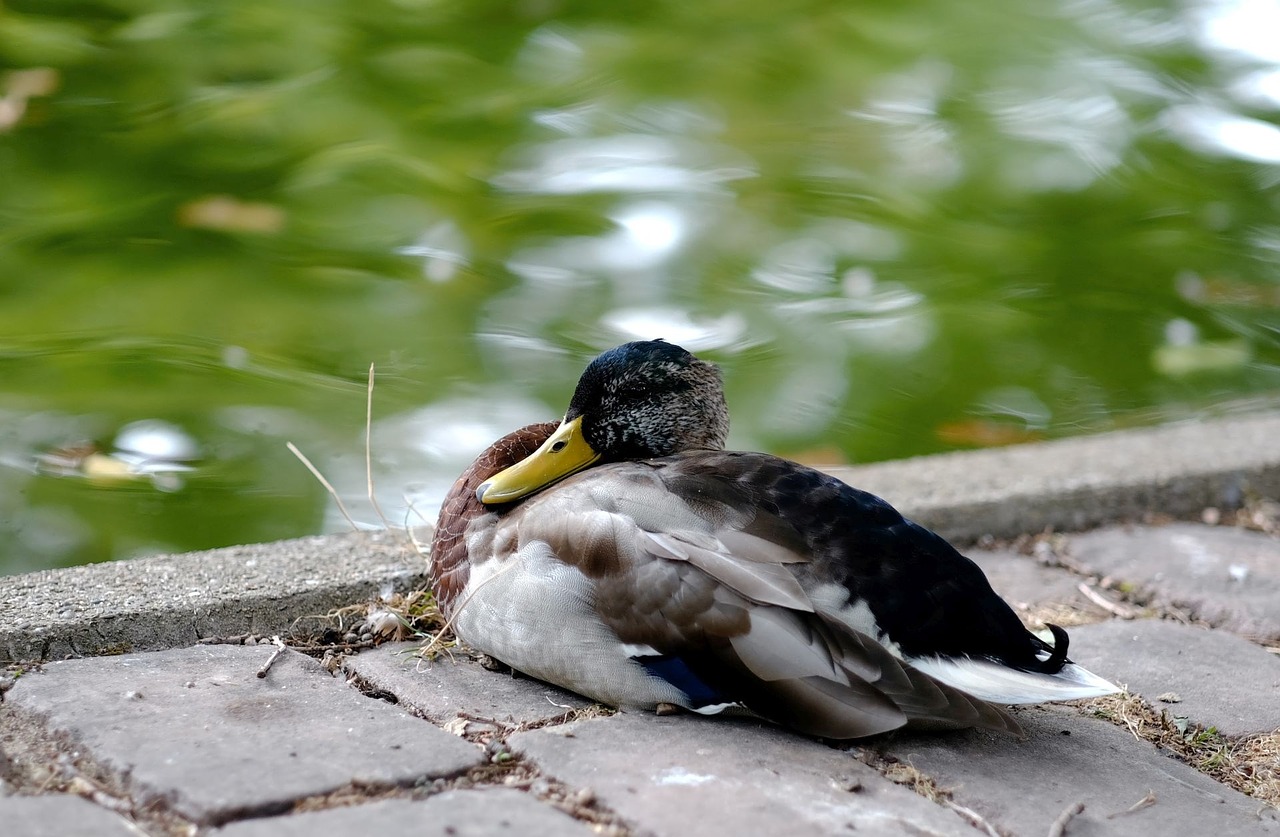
{"x":677,"y":326}
{"x":1068,"y":112}
{"x":418,"y":454}
{"x":444,"y":250}
{"x":1259,"y":89}
{"x":1217,"y":131}
{"x":1126,"y":27}
{"x":801,"y":266}
{"x":624,"y":163}
{"x":1244,"y":28}
{"x":552,"y":55}
{"x":1017,"y":402}
{"x":645,"y":235}
{"x":808,"y":263}
{"x":809,"y":398}
{"x":920,"y":144}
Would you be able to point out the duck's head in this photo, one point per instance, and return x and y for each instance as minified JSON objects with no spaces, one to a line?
{"x":637,"y":401}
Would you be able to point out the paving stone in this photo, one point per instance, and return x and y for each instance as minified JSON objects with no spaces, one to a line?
{"x":684,"y":775}
{"x":445,"y":687}
{"x":196,"y":729}
{"x":462,"y":813}
{"x":1025,"y":583}
{"x":1021,"y":786}
{"x":1223,"y":680}
{"x":1227,"y":577}
{"x":60,"y":814}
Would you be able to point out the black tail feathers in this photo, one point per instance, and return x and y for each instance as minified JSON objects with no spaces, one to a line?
{"x":1058,"y":653}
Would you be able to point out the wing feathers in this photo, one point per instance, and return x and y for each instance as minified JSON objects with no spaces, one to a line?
{"x":759,"y":582}
{"x":695,"y":578}
{"x":855,"y":682}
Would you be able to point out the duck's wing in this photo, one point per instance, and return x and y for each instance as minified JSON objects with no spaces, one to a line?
{"x":710,"y":592}
{"x":874,"y":570}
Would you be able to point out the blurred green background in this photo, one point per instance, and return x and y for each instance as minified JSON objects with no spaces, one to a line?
{"x":901,"y":228}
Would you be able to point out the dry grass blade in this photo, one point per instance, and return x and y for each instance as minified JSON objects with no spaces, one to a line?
{"x":368,"y":451}
{"x":328,"y":487}
{"x":423,"y":548}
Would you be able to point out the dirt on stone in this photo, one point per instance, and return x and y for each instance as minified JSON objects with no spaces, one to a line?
{"x":1248,"y":763}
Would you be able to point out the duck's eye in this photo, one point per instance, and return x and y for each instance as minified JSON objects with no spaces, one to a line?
{"x":558,"y":446}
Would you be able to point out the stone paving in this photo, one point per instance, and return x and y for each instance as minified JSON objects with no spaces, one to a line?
{"x":193,"y":740}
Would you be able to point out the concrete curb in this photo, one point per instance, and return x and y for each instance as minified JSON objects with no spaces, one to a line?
{"x":167,"y":601}
{"x":1075,"y":484}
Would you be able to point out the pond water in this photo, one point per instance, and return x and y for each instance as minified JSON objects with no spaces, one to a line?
{"x":900,"y":228}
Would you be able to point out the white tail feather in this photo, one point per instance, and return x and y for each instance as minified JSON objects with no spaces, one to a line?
{"x":998,"y":684}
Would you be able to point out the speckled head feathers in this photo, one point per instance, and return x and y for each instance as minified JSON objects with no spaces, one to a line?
{"x":650,"y":398}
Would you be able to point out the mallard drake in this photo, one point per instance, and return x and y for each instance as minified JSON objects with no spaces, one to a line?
{"x":623,"y":554}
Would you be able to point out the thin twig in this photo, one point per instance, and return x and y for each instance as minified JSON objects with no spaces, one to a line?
{"x":280,"y":646}
{"x":368,"y":455}
{"x":1145,"y":802}
{"x":316,"y":473}
{"x":481,"y":719}
{"x":1105,"y":603}
{"x":973,"y":817}
{"x":1059,"y":826}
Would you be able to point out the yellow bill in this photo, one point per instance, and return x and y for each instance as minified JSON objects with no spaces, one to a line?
{"x":565,"y":453}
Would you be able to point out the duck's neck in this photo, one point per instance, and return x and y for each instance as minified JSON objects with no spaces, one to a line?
{"x":450,"y":564}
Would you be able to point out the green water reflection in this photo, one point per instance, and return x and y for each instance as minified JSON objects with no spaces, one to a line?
{"x":900,"y":227}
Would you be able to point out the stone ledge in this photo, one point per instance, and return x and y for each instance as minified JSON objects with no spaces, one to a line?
{"x":1081,"y":483}
{"x":167,"y":601}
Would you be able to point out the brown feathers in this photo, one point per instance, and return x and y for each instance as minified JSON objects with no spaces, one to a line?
{"x":449,"y":564}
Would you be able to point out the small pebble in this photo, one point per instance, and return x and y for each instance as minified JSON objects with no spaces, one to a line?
{"x":584,"y":797}
{"x":350,"y":638}
{"x":1169,"y":697}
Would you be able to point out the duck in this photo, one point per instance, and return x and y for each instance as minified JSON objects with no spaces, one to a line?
{"x":624,"y":554}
